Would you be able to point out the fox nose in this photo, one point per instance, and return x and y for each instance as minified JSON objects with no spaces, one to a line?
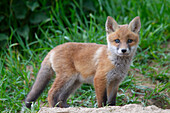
{"x":123,"y":50}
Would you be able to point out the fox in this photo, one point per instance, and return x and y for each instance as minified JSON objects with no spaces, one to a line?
{"x":104,"y":66}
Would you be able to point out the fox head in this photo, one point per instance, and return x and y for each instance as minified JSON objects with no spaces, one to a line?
{"x":122,"y":39}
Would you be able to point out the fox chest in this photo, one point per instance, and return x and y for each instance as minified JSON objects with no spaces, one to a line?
{"x":118,"y":73}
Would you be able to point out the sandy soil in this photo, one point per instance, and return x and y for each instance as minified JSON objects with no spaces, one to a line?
{"x":130,"y":108}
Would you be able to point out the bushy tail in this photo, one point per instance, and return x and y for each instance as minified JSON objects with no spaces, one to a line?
{"x":44,"y":75}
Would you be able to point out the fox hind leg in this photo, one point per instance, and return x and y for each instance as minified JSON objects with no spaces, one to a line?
{"x":66,"y":92}
{"x":61,"y":89}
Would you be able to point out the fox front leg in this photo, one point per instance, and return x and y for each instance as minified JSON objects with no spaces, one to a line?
{"x":100,"y":88}
{"x":112,"y":89}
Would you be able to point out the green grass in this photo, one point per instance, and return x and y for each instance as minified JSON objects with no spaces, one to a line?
{"x":83,"y":21}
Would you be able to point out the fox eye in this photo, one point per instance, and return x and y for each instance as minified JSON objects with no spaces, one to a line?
{"x":129,"y":41}
{"x":117,"y":41}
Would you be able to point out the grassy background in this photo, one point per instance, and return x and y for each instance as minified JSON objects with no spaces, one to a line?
{"x":30,"y":31}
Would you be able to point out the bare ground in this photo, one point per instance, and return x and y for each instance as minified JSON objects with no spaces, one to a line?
{"x":130,"y":108}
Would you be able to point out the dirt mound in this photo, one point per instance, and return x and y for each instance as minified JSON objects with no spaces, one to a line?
{"x":131,"y":108}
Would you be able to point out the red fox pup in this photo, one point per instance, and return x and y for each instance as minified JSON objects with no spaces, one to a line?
{"x":105,"y":66}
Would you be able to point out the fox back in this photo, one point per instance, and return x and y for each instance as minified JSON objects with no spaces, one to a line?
{"x":105,"y":66}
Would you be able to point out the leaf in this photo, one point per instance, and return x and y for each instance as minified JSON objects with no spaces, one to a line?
{"x":88,"y":5}
{"x":67,"y":38}
{"x":23,"y":31}
{"x":37,"y":17}
{"x":3,"y":40}
{"x":1,"y":18}
{"x":3,"y":37}
{"x":167,"y":85}
{"x":19,"y":9}
{"x":32,"y":5}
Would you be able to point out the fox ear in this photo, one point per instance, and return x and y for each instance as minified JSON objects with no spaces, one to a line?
{"x":111,"y":25}
{"x":135,"y":25}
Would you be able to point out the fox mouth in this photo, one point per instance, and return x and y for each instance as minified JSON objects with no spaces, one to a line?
{"x":123,"y":54}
